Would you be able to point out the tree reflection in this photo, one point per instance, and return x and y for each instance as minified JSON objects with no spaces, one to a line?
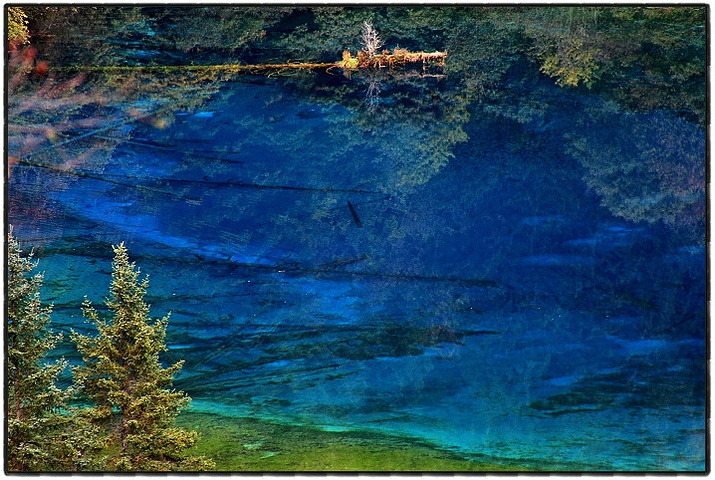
{"x":635,"y":55}
{"x":654,"y":172}
{"x":69,"y":125}
{"x":409,"y":122}
{"x":43,"y":113}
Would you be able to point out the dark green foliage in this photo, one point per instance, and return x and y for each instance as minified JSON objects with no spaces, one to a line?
{"x":123,"y":377}
{"x":127,"y":384}
{"x":229,"y":28}
{"x":33,"y":398}
{"x":43,"y":434}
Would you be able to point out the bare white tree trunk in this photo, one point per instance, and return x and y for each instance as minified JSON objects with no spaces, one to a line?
{"x":370,"y":39}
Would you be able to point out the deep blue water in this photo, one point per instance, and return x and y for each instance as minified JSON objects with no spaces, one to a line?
{"x":533,"y":292}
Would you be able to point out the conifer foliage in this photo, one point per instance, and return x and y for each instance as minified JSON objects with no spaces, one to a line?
{"x":128,"y":386}
{"x":41,"y":435}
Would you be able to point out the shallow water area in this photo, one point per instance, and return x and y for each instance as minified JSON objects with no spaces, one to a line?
{"x":427,"y":262}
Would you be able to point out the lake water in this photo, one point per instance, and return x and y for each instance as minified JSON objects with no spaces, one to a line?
{"x":518,"y":275}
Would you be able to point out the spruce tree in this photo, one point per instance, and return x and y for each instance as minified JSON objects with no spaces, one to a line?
{"x":124,"y":378}
{"x":43,"y":434}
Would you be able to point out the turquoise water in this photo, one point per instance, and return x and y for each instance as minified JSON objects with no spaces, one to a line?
{"x":532,"y":288}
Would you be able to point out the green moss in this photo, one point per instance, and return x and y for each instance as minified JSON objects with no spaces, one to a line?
{"x":251,"y":445}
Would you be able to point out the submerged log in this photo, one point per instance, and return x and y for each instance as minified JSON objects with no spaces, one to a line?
{"x":358,"y":223}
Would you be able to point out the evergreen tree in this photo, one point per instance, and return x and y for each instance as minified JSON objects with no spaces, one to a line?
{"x":42,"y":432}
{"x":124,"y":378}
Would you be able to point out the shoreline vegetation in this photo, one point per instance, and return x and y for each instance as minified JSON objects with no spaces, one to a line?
{"x":251,"y":444}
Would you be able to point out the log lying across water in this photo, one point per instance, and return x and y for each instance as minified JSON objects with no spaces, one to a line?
{"x":398,"y":58}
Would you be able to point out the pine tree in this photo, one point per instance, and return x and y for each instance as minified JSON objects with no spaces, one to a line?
{"x":43,"y":434}
{"x":123,"y":377}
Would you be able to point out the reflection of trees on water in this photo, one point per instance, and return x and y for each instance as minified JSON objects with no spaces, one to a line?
{"x":652,"y":170}
{"x":180,"y":31}
{"x":372,"y":94}
{"x":43,"y":113}
{"x":69,"y":126}
{"x":409,"y":120}
{"x":642,"y":57}
{"x":634,"y":55}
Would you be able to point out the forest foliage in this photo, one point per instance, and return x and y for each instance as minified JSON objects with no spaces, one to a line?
{"x":39,"y":435}
{"x":123,"y":377}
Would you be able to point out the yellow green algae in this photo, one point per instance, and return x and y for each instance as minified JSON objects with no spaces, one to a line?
{"x":255,"y":445}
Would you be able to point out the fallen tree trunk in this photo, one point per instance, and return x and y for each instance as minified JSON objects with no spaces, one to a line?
{"x":398,"y":58}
